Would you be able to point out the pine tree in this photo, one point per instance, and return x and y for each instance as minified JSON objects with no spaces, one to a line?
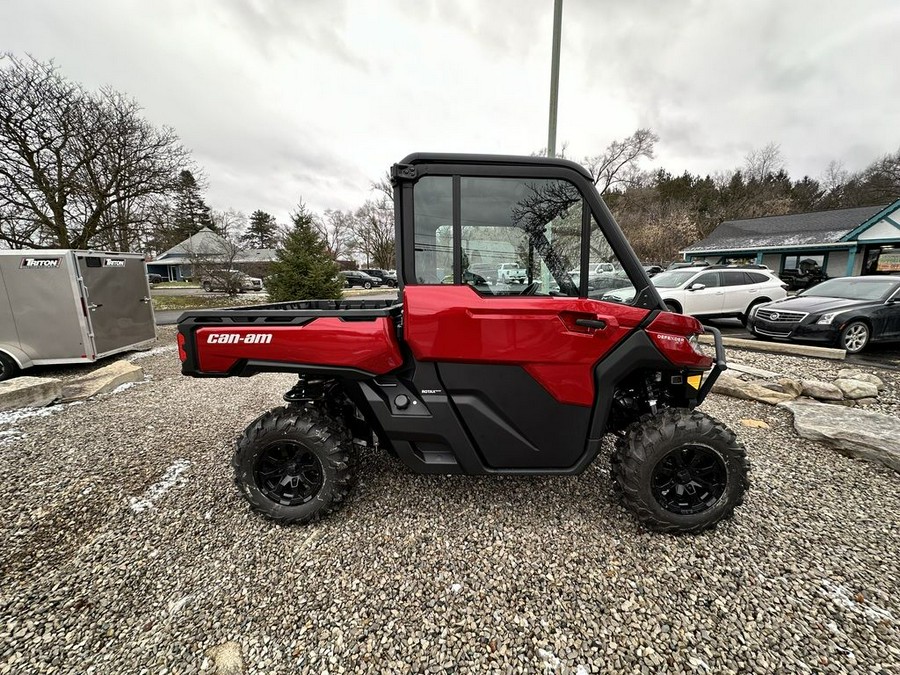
{"x":303,"y":269}
{"x":261,"y":231}
{"x":191,"y":214}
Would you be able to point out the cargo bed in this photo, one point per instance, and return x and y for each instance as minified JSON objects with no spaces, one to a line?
{"x":301,"y":336}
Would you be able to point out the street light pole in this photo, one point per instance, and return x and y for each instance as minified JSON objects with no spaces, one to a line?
{"x":554,"y":77}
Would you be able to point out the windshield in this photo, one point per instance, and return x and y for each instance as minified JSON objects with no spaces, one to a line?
{"x":853,"y":289}
{"x":671,"y":279}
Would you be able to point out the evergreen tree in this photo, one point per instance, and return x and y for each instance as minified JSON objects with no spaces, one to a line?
{"x":191,"y":214}
{"x":261,"y":232}
{"x":303,"y":269}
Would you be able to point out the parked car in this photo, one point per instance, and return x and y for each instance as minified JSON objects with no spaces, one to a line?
{"x":387,"y":278}
{"x":712,"y":291}
{"x":229,"y":280}
{"x":359,"y":278}
{"x":153,"y":278}
{"x":849,"y":312}
{"x":511,"y":273}
{"x":467,"y":278}
{"x":595,"y":269}
{"x":652,"y":270}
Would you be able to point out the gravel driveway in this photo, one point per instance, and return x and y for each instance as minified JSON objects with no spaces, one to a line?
{"x":126,"y":548}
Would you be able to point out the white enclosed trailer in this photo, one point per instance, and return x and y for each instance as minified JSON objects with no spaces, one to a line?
{"x":65,"y":306}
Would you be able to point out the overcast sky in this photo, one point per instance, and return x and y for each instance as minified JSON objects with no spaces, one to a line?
{"x":283,"y":99}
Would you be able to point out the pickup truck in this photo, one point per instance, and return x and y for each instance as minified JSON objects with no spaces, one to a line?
{"x":511,"y":273}
{"x":473,"y":378}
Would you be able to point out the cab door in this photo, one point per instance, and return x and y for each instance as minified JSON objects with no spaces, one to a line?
{"x":517,"y":360}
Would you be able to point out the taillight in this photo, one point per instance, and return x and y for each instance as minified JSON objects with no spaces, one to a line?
{"x":181,"y":353}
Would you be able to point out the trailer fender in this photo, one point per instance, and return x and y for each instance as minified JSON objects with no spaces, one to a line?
{"x":21,"y":358}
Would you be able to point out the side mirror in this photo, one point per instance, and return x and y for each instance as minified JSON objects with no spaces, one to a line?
{"x":697,"y":287}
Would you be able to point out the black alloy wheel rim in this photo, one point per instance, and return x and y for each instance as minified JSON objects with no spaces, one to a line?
{"x":689,"y":480}
{"x":288,"y":473}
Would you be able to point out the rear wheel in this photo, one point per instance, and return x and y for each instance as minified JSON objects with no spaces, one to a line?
{"x":855,"y":337}
{"x":367,"y":285}
{"x":673,"y":307}
{"x":292,"y":465}
{"x":8,"y":367}
{"x":680,"y":471}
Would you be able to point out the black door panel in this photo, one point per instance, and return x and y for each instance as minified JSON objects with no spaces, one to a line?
{"x":513,"y":420}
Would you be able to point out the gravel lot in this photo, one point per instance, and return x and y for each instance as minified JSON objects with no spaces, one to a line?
{"x":127,"y":549}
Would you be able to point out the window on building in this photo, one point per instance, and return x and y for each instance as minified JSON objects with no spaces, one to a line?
{"x":803,"y":263}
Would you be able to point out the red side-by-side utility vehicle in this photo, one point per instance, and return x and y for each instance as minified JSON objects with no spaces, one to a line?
{"x":459,"y":374}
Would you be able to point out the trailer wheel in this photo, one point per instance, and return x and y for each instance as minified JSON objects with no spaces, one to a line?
{"x":8,"y":367}
{"x":292,"y":465}
{"x":680,"y":471}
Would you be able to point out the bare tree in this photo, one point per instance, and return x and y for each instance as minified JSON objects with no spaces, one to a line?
{"x":76,"y":168}
{"x":762,"y":162}
{"x":213,"y":259}
{"x":373,"y":235}
{"x":337,"y":231}
{"x":619,"y":165}
{"x":230,"y":222}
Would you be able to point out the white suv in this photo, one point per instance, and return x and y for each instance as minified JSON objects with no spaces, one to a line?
{"x":724,"y":291}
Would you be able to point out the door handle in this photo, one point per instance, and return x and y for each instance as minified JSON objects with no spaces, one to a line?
{"x":92,"y":306}
{"x":600,"y":324}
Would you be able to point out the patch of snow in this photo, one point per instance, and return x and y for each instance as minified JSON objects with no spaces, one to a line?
{"x":126,"y":386}
{"x":12,"y":416}
{"x":152,"y":352}
{"x":176,"y":605}
{"x":842,"y":597}
{"x":169,"y":479}
{"x":551,"y":663}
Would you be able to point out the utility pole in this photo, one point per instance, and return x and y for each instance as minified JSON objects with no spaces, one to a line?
{"x":554,"y":77}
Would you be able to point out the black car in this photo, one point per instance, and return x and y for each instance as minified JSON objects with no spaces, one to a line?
{"x":357,"y":278}
{"x":652,"y":270}
{"x":849,"y":312}
{"x":153,"y":278}
{"x":387,"y":279}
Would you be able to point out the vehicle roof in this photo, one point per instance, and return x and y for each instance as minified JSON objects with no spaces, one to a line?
{"x":499,"y":160}
{"x":869,"y":278}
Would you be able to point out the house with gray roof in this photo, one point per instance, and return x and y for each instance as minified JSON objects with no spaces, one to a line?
{"x":844,"y":242}
{"x":176,"y":263}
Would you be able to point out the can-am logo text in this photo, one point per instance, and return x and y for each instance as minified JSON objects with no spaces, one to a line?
{"x":39,"y":263}
{"x":235,"y":338}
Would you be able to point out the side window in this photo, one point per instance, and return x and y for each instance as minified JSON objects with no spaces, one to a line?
{"x":433,"y":209}
{"x":520,"y":236}
{"x":733,"y":278}
{"x":710,"y":280}
{"x":607,"y":281}
{"x":757,"y":278}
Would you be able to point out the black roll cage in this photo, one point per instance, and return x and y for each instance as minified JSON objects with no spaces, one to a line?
{"x":408,"y":171}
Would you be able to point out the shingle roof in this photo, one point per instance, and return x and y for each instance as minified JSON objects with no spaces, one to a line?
{"x":820,"y":227}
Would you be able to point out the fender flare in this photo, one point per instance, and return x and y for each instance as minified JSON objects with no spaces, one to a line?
{"x":21,"y":358}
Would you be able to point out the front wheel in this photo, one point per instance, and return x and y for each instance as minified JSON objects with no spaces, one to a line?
{"x":292,"y":465}
{"x":855,"y":337}
{"x":680,"y":471}
{"x":8,"y":367}
{"x":367,"y":285}
{"x":672,"y":307}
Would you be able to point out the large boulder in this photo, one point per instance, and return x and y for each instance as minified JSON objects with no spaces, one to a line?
{"x":29,"y":392}
{"x":824,"y":391}
{"x":861,"y":376}
{"x":853,"y":432}
{"x":854,"y":389}
{"x":791,"y":386}
{"x":753,"y":391}
{"x":102,"y":381}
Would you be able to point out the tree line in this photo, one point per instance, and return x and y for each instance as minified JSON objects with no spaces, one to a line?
{"x":85,"y":169}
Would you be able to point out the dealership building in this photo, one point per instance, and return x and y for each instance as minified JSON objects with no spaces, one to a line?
{"x":844,"y":242}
